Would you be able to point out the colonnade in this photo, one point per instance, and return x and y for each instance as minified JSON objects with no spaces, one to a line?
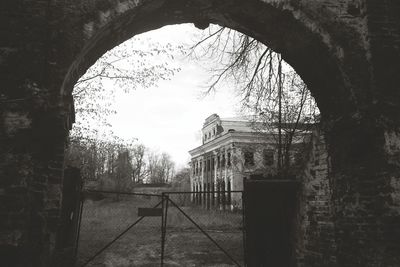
{"x":213,"y":196}
{"x":212,"y":176}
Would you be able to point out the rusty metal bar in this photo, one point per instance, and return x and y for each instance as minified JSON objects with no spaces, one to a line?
{"x":121,"y":193}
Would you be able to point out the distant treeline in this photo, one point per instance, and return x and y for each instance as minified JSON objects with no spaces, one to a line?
{"x":119,"y":164}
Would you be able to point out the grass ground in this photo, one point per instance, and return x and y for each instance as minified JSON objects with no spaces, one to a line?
{"x":141,"y":246}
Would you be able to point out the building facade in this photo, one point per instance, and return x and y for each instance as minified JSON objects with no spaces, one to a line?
{"x":231,"y":150}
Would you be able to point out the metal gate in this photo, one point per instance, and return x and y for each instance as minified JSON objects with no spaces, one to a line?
{"x":115,"y":225}
{"x":171,"y":228}
{"x":203,"y":233}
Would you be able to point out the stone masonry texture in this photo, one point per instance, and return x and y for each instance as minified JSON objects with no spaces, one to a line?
{"x":347,"y":51}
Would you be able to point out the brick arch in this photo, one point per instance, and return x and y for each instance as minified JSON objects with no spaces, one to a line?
{"x":323,"y":50}
{"x":301,"y":36}
{"x":346,"y":51}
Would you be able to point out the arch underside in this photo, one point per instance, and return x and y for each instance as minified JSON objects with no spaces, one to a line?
{"x":43,"y":56}
{"x":308,"y":52}
{"x":327,"y":52}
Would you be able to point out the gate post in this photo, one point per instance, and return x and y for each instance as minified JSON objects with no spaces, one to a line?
{"x":68,"y":231}
{"x":164,"y":206}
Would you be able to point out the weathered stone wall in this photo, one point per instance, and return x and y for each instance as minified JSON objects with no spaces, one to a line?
{"x":326,"y":234}
{"x":347,"y":52}
{"x":316,"y":244}
{"x":33,"y":133}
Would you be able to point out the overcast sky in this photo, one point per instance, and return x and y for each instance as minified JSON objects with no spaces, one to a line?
{"x":169,"y":117}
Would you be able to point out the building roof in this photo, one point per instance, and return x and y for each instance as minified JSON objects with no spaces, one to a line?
{"x":239,"y":118}
{"x":218,"y":131}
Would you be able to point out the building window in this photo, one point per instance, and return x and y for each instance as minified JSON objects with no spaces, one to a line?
{"x":223,"y":160}
{"x":212,"y":164}
{"x":229,"y":159}
{"x":268,"y":157}
{"x":248,"y":158}
{"x":218,"y":162}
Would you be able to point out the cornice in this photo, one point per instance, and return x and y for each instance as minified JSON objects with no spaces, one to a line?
{"x":230,"y":138}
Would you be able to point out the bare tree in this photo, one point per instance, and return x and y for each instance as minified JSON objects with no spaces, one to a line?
{"x":160,"y":167}
{"x":119,"y":164}
{"x":271,"y":91}
{"x":152,"y":163}
{"x":139,"y":164}
{"x":166,"y":168}
{"x":126,"y":67}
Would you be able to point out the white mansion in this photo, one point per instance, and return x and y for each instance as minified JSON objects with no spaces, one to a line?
{"x":231,"y":150}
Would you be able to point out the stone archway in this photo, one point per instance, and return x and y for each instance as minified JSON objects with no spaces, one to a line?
{"x":336,"y":47}
{"x":303,"y":41}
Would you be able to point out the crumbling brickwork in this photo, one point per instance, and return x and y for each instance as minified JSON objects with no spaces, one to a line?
{"x":347,"y":52}
{"x":316,"y":243}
